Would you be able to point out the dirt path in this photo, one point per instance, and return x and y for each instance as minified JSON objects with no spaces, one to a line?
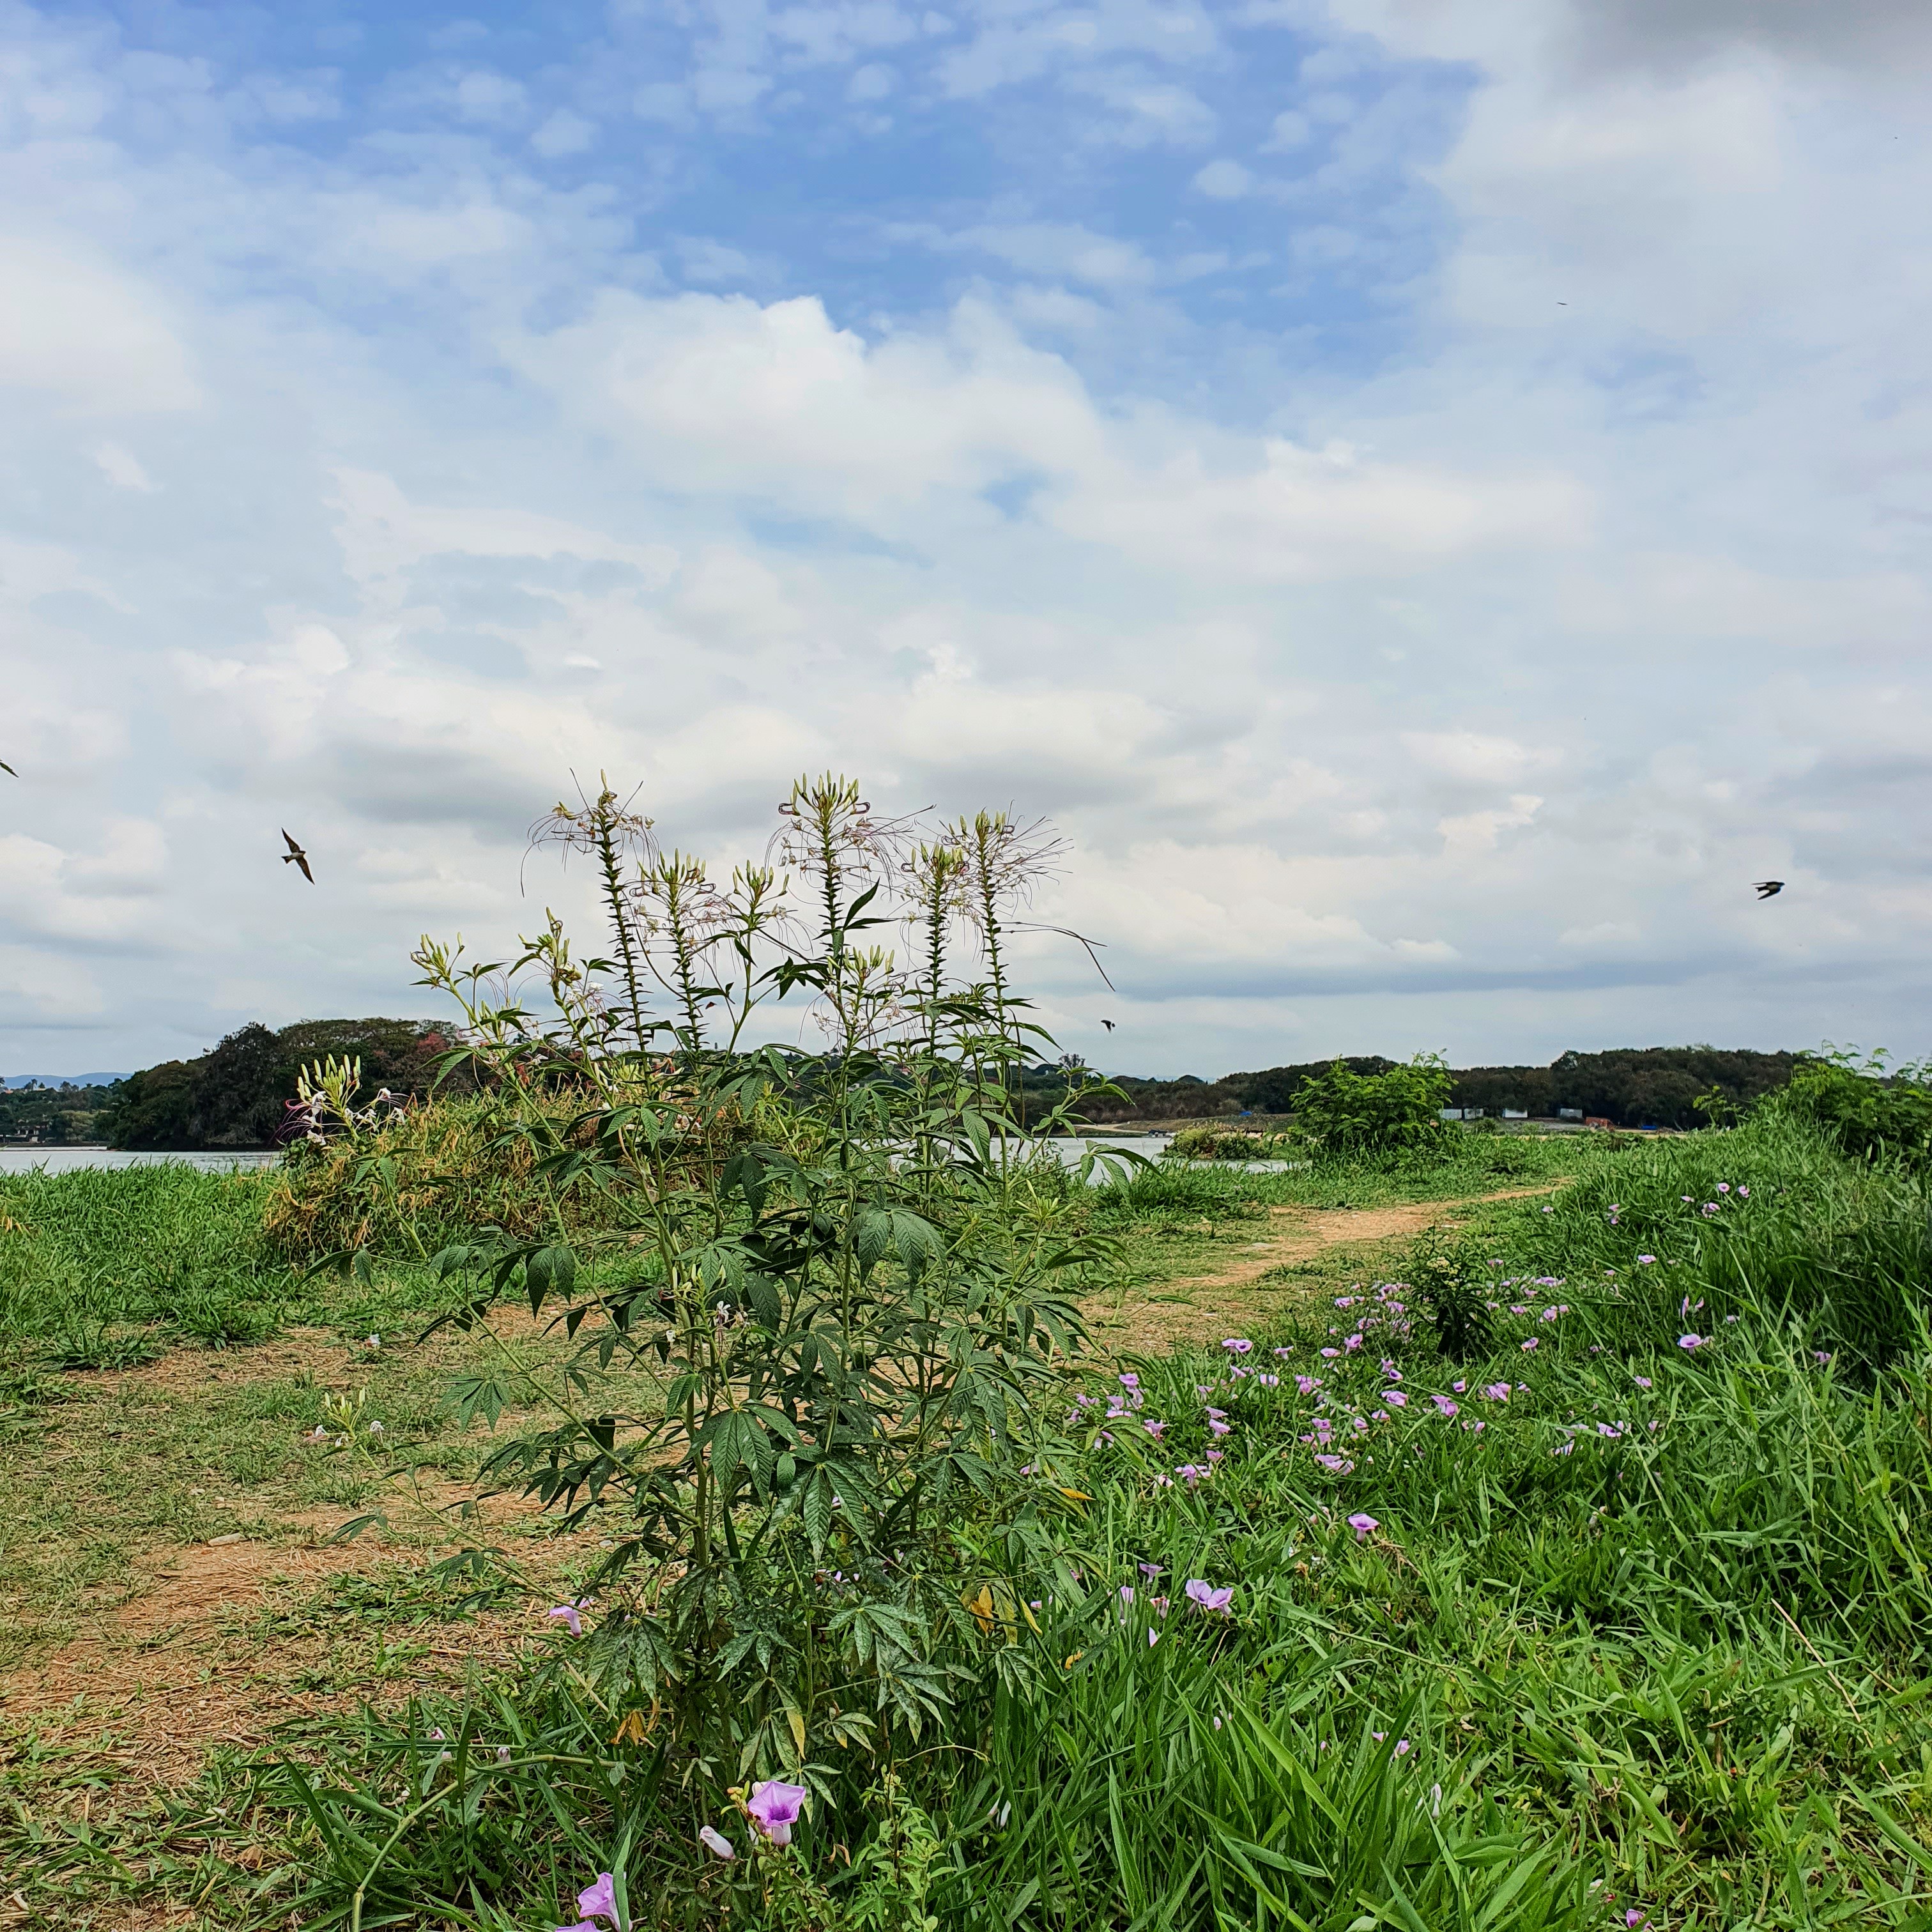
{"x":221,"y":1642}
{"x":1198,"y":1308}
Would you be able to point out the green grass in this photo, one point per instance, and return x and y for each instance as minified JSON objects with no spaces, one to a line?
{"x":1656,"y":1649}
{"x":1622,"y":1648}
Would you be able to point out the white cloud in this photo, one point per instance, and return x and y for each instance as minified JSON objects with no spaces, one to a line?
{"x":88,"y":332}
{"x":122,"y":467}
{"x":562,"y":133}
{"x":873,"y":82}
{"x":1413,"y":661}
{"x":1224,"y":180}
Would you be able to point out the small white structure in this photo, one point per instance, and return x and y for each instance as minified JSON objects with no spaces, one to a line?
{"x":1569,"y":1113}
{"x":1515,"y":1113}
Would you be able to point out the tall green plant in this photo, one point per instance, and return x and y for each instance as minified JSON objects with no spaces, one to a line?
{"x":832,"y":1264}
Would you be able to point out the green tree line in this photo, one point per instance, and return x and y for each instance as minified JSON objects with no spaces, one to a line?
{"x":236,"y":1094}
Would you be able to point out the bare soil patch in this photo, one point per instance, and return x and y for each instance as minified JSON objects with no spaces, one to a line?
{"x":1194,"y":1309}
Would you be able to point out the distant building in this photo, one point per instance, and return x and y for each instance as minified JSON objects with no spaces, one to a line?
{"x":1569,"y":1113}
{"x":1515,"y":1113}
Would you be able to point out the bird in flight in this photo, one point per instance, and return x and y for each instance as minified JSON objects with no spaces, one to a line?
{"x":295,"y":855}
{"x":1769,"y":889}
{"x":1108,"y":1024}
{"x":8,"y":768}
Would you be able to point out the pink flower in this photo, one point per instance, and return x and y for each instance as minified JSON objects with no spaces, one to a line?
{"x":1308,"y":1384}
{"x":1154,"y":1428}
{"x":1215,"y":1428}
{"x":1395,"y":1398}
{"x":1444,"y":1404}
{"x":774,"y":1808}
{"x":598,"y":1900}
{"x":1205,"y":1597}
{"x":1238,"y":1344}
{"x":1364,"y":1526}
{"x":1338,"y":1466}
{"x":1533,"y":1342}
{"x":715,"y":1842}
{"x":567,"y":1613}
{"x":1687,"y":1342}
{"x":1498,"y":1391}
{"x":1645,"y":1261}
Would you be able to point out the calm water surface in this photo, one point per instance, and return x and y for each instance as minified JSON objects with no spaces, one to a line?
{"x":60,"y":1160}
{"x":63,"y":1160}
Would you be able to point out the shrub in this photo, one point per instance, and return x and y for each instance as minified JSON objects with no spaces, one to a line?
{"x":1228,"y":1144}
{"x":1870,"y":1110}
{"x":1397,"y":1112}
{"x":846,"y":1272}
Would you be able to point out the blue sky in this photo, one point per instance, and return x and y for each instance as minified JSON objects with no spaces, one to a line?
{"x":1432,"y":499}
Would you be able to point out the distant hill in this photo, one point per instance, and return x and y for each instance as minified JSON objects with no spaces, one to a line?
{"x":236,"y":1094}
{"x":58,"y":1080}
{"x":1633,"y":1086}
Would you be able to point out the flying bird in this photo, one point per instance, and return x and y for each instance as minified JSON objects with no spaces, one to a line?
{"x":1769,"y":889}
{"x":8,"y":768}
{"x":1108,"y":1024}
{"x":295,"y":855}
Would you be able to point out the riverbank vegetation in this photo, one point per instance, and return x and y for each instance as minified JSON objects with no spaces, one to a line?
{"x":1552,"y":1555}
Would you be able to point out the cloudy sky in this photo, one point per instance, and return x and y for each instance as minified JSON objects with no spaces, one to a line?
{"x":1431,"y":496}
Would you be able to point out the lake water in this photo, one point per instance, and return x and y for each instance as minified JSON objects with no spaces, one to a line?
{"x":1152,"y":1146}
{"x":60,"y":1160}
{"x":63,"y":1160}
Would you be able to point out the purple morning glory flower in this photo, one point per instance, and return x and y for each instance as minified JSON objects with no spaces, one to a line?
{"x":1216,"y":1428}
{"x":1149,"y":1570}
{"x":1364,"y":1526}
{"x":1642,"y":1382}
{"x":715,"y":1842}
{"x":598,"y":1900}
{"x":1395,"y":1398}
{"x":1687,"y":1342}
{"x":1444,"y":1404}
{"x":1339,"y":1465}
{"x":1645,"y":1261}
{"x":1238,"y":1344}
{"x":567,"y":1612}
{"x":1533,"y":1343}
{"x":774,"y":1808}
{"x":1154,"y":1428}
{"x":1204,"y":1596}
{"x":1498,"y":1391}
